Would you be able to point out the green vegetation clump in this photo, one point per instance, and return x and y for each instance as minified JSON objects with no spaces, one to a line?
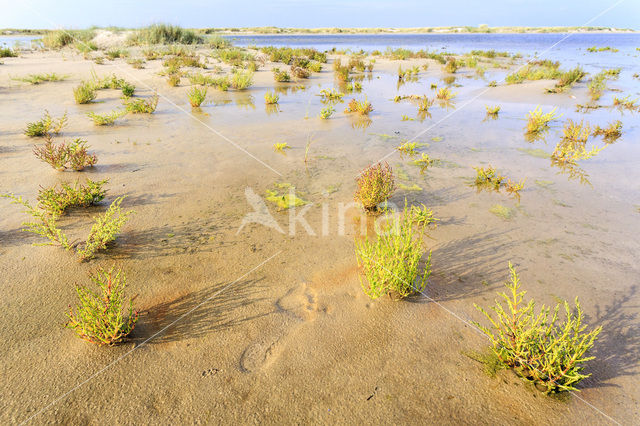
{"x":197,"y":96}
{"x":390,"y":263}
{"x":326,"y":112}
{"x":572,"y":147}
{"x":46,"y":125}
{"x":594,"y":49}
{"x":451,"y":66}
{"x":536,"y":70}
{"x":99,"y":317}
{"x":271,"y":98}
{"x":60,"y":38}
{"x":281,"y":146}
{"x":610,"y":133}
{"x":502,"y":211}
{"x":73,"y":156}
{"x":142,"y":106}
{"x":598,"y":82}
{"x":6,"y":52}
{"x":492,"y":110}
{"x":567,"y":79}
{"x":241,"y":80}
{"x":104,"y":230}
{"x":538,"y":121}
{"x":287,"y":54}
{"x":57,"y":201}
{"x":39,"y":78}
{"x":106,"y":119}
{"x":375,"y":185}
{"x":284,"y":200}
{"x":361,"y":107}
{"x":221,"y":83}
{"x":281,"y":76}
{"x":537,"y":346}
{"x":164,"y":34}
{"x":445,"y":94}
{"x":84,"y":93}
{"x":115,"y":53}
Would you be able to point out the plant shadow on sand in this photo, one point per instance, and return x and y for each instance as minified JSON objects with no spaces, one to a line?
{"x":194,"y":237}
{"x":617,"y":350}
{"x":197,"y":314}
{"x":469,"y":266}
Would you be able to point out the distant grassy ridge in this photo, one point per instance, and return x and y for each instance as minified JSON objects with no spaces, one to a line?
{"x":160,"y":31}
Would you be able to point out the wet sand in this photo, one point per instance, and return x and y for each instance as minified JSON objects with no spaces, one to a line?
{"x":259,"y":326}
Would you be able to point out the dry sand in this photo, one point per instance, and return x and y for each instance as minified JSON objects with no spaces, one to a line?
{"x":276,"y":328}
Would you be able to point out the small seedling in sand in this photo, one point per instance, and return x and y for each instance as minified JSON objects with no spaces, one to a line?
{"x":625,"y":103}
{"x":280,"y":147}
{"x":325,"y":113}
{"x":375,"y":186}
{"x":408,"y":148}
{"x":73,"y":156}
{"x":281,"y":76}
{"x":445,"y":94}
{"x":361,"y":107}
{"x":106,"y":119}
{"x":56,"y":201}
{"x":142,"y":106}
{"x":610,"y":133}
{"x":514,"y":188}
{"x":425,"y":104}
{"x":389,"y":263}
{"x":538,"y":348}
{"x":488,"y":176}
{"x":538,"y":121}
{"x":137,"y":63}
{"x":284,"y":197}
{"x":354,"y":86}
{"x":116,"y":53}
{"x":104,"y":230}
{"x":84,"y":93}
{"x":99,"y":318}
{"x":39,"y":78}
{"x":423,"y":162}
{"x":46,"y":125}
{"x":197,"y":96}
{"x":421,"y":215}
{"x":271,"y":98}
{"x":492,"y":110}
{"x":173,"y":79}
{"x":501,"y":211}
{"x":331,"y":95}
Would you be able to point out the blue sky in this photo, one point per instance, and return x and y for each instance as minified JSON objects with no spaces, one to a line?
{"x":316,"y":13}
